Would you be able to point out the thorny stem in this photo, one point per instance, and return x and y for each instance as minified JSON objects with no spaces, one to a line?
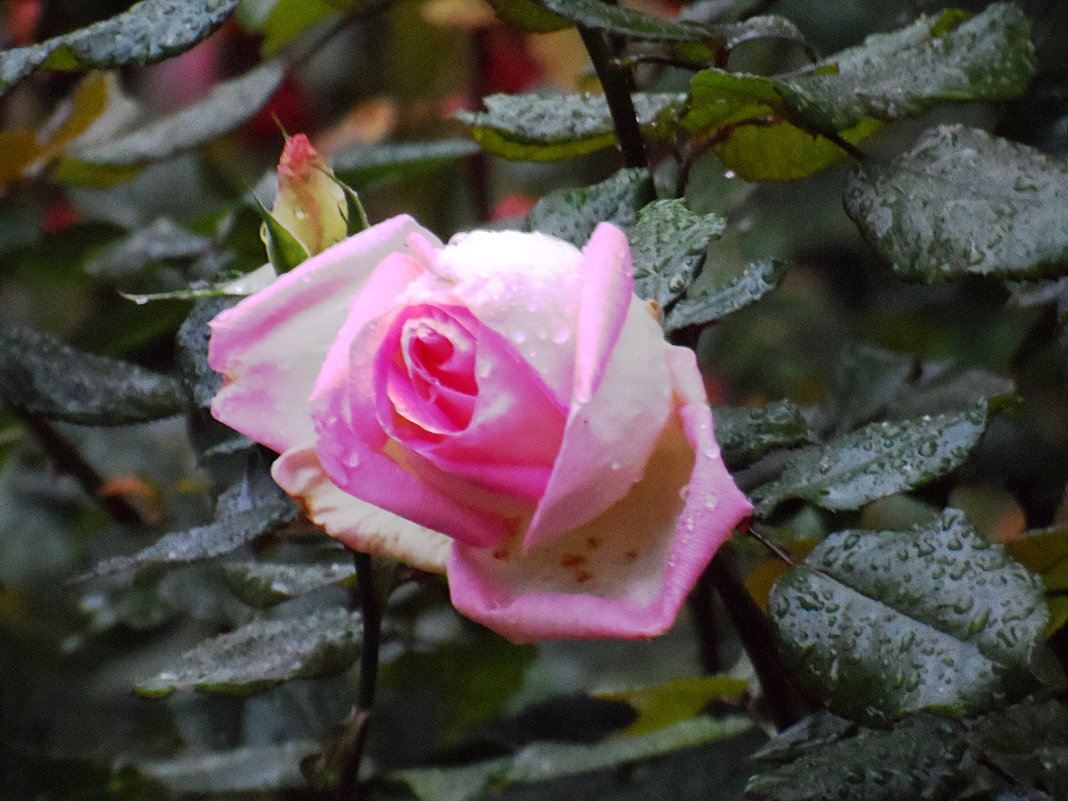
{"x":67,"y":460}
{"x":754,"y":629}
{"x":349,"y":788}
{"x":616,"y":82}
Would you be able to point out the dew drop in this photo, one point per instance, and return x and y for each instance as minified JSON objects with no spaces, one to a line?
{"x":352,"y":459}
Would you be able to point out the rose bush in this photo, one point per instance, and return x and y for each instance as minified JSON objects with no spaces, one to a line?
{"x":501,"y":408}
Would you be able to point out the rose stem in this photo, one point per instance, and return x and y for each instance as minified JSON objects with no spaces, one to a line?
{"x":66,"y":459}
{"x":616,"y":82}
{"x":785,"y":703}
{"x":349,"y":788}
{"x":704,"y":616}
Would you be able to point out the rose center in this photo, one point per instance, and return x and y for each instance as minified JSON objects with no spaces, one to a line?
{"x":430,"y":380}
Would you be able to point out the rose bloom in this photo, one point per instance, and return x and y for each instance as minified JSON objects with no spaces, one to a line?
{"x":502,"y":409}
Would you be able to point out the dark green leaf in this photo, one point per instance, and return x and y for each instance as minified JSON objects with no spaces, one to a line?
{"x":42,"y":376}
{"x":161,"y":240}
{"x":263,"y":584}
{"x":544,"y":761}
{"x":668,"y":245}
{"x":250,"y":769}
{"x":366,"y":165}
{"x":755,"y":281}
{"x":223,"y":109}
{"x":922,"y":758}
{"x":201,"y":382}
{"x":625,"y":21}
{"x":355,"y":216}
{"x":529,"y":15}
{"x":149,"y":31}
{"x":778,"y":128}
{"x":864,"y":380}
{"x":747,"y":433}
{"x":885,"y":623}
{"x":817,"y":730}
{"x":249,"y":508}
{"x":263,"y":654}
{"x":1029,"y":742}
{"x":962,"y":201}
{"x":901,"y":74}
{"x":536,"y":128}
{"x":875,"y":461}
{"x":572,"y":214}
{"x":1011,"y":794}
{"x":943,"y":387}
{"x":767,"y":26}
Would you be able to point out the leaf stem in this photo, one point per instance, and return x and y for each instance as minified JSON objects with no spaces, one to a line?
{"x":618,"y":85}
{"x":349,"y":788}
{"x":785,"y":702}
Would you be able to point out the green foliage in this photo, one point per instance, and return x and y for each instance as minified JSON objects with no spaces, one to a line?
{"x":668,"y":244}
{"x":747,"y":433}
{"x":39,"y":375}
{"x":252,"y":769}
{"x":709,"y":305}
{"x":227,"y":106}
{"x":370,"y":165}
{"x":149,"y":31}
{"x":875,"y":461}
{"x":881,"y":624}
{"x":572,"y":214}
{"x":533,"y":128}
{"x":961,"y":201}
{"x":789,"y":127}
{"x":266,"y":584}
{"x":923,"y":758}
{"x":540,"y":762}
{"x":682,"y":699}
{"x":264,"y":653}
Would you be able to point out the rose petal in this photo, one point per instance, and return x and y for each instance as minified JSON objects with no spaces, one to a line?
{"x":626,"y":573}
{"x":359,"y":525}
{"x":486,"y":452}
{"x":354,"y":450}
{"x":271,"y":345}
{"x":608,"y":439}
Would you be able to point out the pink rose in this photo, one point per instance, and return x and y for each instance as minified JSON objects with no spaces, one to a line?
{"x":502,"y":408}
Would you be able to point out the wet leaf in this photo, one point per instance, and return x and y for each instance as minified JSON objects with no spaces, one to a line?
{"x":877,"y":460}
{"x":624,"y":21}
{"x":817,"y":730}
{"x":529,"y":15}
{"x":885,"y":623}
{"x":161,"y":240}
{"x":149,"y":31}
{"x":572,"y":214}
{"x":864,"y":381}
{"x":42,"y":376}
{"x":540,"y":762}
{"x":253,"y":506}
{"x":754,"y":282}
{"x":668,"y":244}
{"x":263,"y":654}
{"x":223,"y":109}
{"x":265,"y":584}
{"x":367,"y":165}
{"x":1030,"y":742}
{"x":254,"y":768}
{"x":782,"y":128}
{"x":962,"y":201}
{"x":746,"y":433}
{"x":536,"y":128}
{"x":675,"y":701}
{"x":923,"y":757}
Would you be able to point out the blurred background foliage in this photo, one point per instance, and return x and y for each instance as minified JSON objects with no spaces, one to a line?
{"x":86,"y":214}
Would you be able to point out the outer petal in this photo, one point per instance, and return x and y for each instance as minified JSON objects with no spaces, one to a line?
{"x":621,"y":397}
{"x":359,"y":525}
{"x":626,"y":573}
{"x":271,"y":345}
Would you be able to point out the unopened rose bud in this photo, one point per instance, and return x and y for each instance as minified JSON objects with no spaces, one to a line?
{"x":310,"y":203}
